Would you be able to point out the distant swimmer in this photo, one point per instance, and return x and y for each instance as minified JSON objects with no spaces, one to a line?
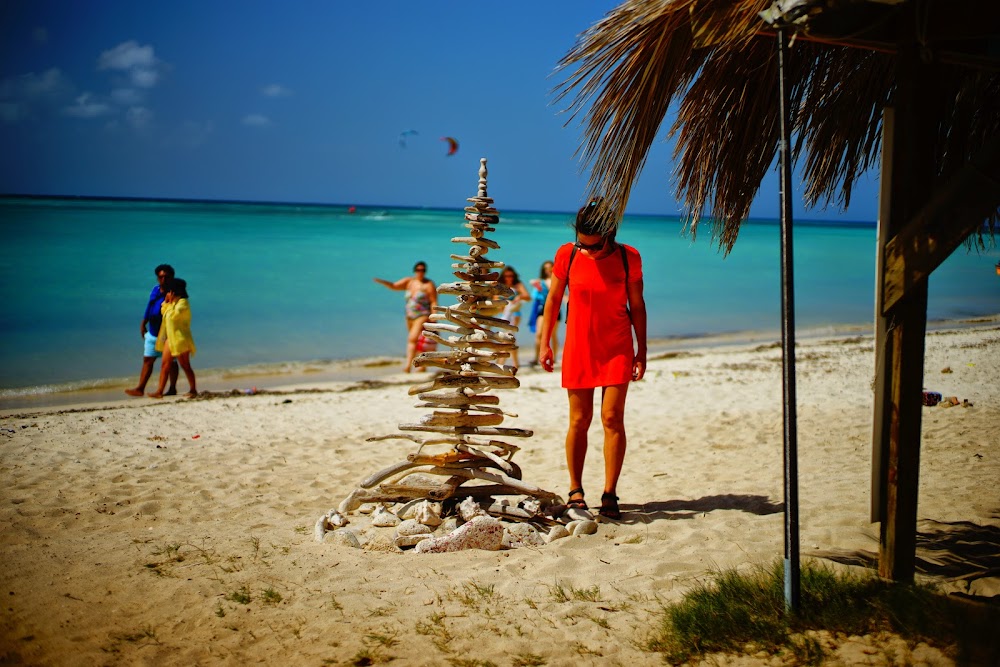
{"x":421,"y":298}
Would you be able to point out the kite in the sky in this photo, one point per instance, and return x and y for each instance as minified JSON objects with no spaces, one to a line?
{"x":452,"y":145}
{"x":403,"y":135}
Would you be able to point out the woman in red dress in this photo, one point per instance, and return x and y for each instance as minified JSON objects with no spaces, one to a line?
{"x":605,"y":306}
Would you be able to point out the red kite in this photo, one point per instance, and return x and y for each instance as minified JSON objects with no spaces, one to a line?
{"x":452,"y":145}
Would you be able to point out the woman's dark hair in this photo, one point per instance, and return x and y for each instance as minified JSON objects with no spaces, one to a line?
{"x":178,"y":286}
{"x":419,"y":264}
{"x":541,"y":269}
{"x":517,"y":279}
{"x":594,"y":219}
{"x":165,"y":268}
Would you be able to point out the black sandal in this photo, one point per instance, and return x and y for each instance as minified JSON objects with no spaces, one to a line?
{"x":579,"y":503}
{"x":609,"y":506}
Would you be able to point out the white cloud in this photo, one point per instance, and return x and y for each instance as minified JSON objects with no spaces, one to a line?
{"x":139,"y":117}
{"x":144,"y":78}
{"x":49,"y":83}
{"x":256,"y":120}
{"x":87,"y":106}
{"x":31,"y":94}
{"x":139,"y":62}
{"x":275,"y":90}
{"x":126,"y":96}
{"x":127,"y":55}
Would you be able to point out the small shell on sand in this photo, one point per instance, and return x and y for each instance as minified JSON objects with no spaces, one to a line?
{"x":469,"y":509}
{"x":482,"y":532}
{"x":336,"y":519}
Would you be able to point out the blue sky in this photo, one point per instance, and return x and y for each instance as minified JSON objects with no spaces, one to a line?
{"x":305,"y":102}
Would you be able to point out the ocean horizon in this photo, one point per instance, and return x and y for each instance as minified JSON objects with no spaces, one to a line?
{"x":282,"y":288}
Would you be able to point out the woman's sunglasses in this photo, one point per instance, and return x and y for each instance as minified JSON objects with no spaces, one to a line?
{"x":592,"y":248}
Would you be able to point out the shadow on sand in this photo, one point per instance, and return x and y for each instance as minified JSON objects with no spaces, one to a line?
{"x":947,"y":551}
{"x":672,"y":510}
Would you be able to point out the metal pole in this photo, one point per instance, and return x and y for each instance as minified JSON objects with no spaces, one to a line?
{"x":788,"y":339}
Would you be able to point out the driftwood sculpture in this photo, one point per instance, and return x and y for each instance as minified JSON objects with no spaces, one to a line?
{"x":464,"y":421}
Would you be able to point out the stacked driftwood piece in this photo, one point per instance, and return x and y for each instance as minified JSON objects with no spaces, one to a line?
{"x":462,"y":406}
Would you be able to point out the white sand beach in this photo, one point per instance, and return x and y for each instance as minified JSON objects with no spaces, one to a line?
{"x":180,"y":532}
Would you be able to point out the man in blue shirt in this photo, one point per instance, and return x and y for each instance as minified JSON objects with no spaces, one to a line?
{"x":153,"y":318}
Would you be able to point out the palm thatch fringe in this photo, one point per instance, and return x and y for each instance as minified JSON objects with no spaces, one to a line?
{"x":717,"y":59}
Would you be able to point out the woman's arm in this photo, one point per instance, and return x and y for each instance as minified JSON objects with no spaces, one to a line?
{"x":549,"y":322}
{"x":398,"y":285}
{"x":522,"y":292}
{"x":637,"y":306}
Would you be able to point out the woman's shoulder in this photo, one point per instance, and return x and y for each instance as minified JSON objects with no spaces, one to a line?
{"x":630,"y":250}
{"x":565,"y":250}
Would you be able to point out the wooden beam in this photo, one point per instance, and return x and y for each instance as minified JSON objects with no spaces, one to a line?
{"x":900,"y":403}
{"x":956,"y":209}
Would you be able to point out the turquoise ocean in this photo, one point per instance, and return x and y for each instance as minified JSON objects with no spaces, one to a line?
{"x":281,"y":290}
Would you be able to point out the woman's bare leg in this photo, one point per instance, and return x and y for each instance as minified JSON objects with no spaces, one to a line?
{"x":165,"y":363}
{"x":414,"y":328}
{"x":581,"y":413}
{"x":613,"y":419}
{"x":185,"y":361}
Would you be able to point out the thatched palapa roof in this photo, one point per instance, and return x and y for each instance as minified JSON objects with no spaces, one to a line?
{"x":716,"y":60}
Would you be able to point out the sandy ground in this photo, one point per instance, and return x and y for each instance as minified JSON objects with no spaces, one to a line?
{"x":180,"y":532}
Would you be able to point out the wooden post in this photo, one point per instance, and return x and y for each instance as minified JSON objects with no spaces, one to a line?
{"x":883,"y":355}
{"x":901,"y":329}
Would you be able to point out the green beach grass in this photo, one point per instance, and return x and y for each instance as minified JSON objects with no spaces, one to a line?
{"x":739,"y":613}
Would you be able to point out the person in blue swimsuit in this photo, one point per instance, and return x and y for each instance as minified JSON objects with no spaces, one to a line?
{"x":421,"y":298}
{"x":536,"y":322}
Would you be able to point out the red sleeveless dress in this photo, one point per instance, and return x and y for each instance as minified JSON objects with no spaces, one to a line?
{"x":599,"y":350}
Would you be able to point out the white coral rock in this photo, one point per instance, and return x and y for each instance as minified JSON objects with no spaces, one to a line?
{"x":557,"y":532}
{"x":383,"y":518}
{"x":412,"y":527}
{"x":482,"y":532}
{"x":427,"y":514}
{"x":345,"y":538}
{"x":336,"y":519}
{"x":469,"y":509}
{"x":521,"y":535}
